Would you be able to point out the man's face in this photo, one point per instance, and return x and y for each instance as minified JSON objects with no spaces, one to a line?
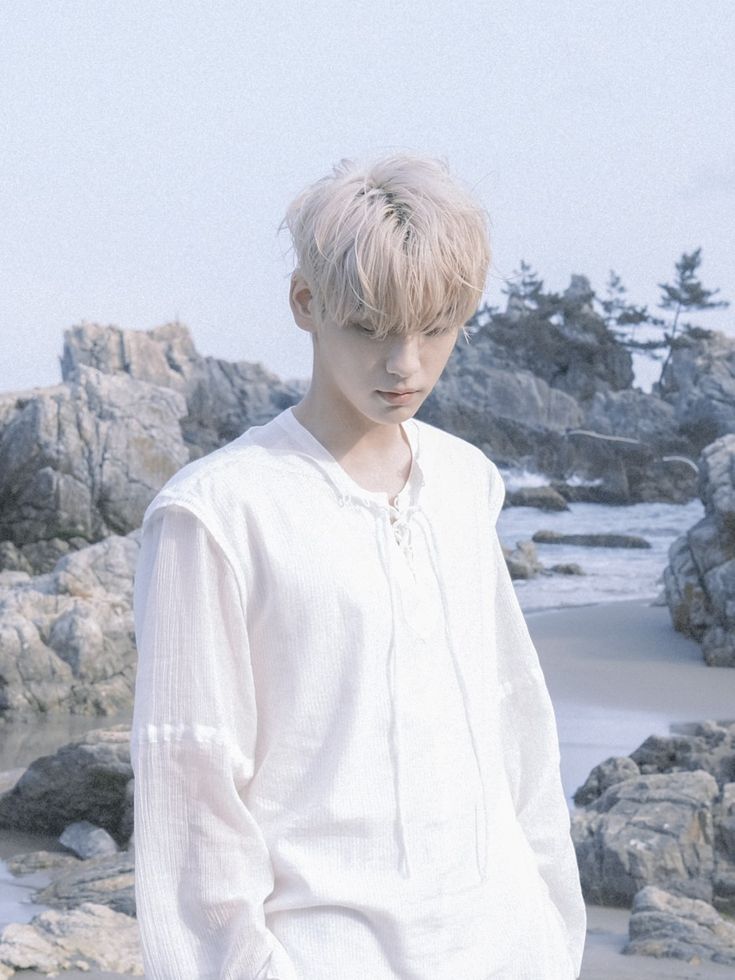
{"x":359,"y":378}
{"x":383,"y":380}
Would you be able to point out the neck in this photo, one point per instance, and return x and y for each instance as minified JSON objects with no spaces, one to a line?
{"x":343,"y":431}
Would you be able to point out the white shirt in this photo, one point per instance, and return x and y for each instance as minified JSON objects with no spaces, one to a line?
{"x":346,"y":758}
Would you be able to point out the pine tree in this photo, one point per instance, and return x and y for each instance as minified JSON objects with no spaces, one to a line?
{"x":685,"y":294}
{"x":622,"y":317}
{"x":529,"y":289}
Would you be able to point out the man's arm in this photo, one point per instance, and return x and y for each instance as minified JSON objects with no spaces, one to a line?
{"x":202,"y":868}
{"x":531,"y":752}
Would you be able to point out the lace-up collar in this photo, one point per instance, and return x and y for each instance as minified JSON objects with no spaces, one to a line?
{"x":348,"y":489}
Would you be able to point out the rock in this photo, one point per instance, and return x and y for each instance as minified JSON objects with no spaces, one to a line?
{"x":87,"y":779}
{"x":108,"y":879}
{"x":726,"y":821}
{"x":567,"y":568}
{"x":82,"y":460}
{"x":654,"y":829}
{"x":667,"y":925}
{"x":25,"y":864}
{"x":511,"y":410}
{"x":706,"y":746}
{"x":717,"y":483}
{"x":523,"y":562}
{"x":700,"y":576}
{"x":685,"y":593}
{"x":72,"y":630}
{"x":87,"y":841}
{"x":591,"y":540}
{"x":668,"y":470}
{"x":91,"y":936}
{"x":594,"y":492}
{"x":608,"y":773}
{"x":665,"y":815}
{"x":223,"y":398}
{"x":545,"y":498}
{"x":699,"y":384}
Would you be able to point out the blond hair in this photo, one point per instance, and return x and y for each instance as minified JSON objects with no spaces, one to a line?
{"x":396,"y":244}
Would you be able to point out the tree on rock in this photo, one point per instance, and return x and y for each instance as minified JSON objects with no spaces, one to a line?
{"x":686,"y":294}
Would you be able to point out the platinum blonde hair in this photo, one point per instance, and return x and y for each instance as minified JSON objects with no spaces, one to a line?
{"x":396,"y":244}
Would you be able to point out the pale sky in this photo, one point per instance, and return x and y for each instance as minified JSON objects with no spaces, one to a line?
{"x":149,"y":150}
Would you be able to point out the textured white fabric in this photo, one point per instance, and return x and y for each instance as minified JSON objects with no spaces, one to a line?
{"x":346,"y":757}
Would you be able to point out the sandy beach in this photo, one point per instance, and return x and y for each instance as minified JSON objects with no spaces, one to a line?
{"x":617,"y":673}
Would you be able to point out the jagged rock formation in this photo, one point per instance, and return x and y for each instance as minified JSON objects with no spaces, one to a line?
{"x":67,"y":638}
{"x":80,"y":461}
{"x":699,"y":384}
{"x":700,"y":577}
{"x":666,"y":925}
{"x":91,"y":936}
{"x":554,"y":394}
{"x":223,"y":398}
{"x":664,"y":816}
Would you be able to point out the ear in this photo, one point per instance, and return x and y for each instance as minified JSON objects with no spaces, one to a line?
{"x":302,"y":302}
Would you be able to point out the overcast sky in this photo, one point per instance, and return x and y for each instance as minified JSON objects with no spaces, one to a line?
{"x":149,"y":150}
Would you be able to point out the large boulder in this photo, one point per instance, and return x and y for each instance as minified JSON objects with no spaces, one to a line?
{"x":699,"y":383}
{"x":90,"y":937}
{"x":67,"y":637}
{"x":88,"y":779}
{"x":223,"y":398}
{"x":655,"y":829}
{"x":80,"y":461}
{"x":664,"y":816}
{"x":675,"y":927}
{"x":699,"y":579}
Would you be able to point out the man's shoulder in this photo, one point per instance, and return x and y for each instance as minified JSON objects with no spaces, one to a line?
{"x":220,"y":480}
{"x":452,"y":448}
{"x":461,"y":463}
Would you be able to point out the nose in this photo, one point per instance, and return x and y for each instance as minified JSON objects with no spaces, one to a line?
{"x":403,"y":357}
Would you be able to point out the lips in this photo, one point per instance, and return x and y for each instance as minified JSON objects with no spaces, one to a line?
{"x":397,"y":397}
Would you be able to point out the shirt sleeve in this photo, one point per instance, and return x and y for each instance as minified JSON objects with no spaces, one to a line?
{"x":532,"y":758}
{"x":202,"y":868}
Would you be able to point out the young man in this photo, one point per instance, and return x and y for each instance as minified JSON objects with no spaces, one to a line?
{"x":345,"y":753}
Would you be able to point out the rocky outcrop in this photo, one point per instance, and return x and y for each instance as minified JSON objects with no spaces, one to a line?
{"x":700,"y":577}
{"x":664,"y":816}
{"x":81,"y":461}
{"x":91,"y":936}
{"x":552,"y":393}
{"x":223,"y":398}
{"x":106,"y":880}
{"x":509,"y":412}
{"x":568,"y":345}
{"x":648,"y":829}
{"x":67,"y":638}
{"x":666,"y":925}
{"x":699,"y":384}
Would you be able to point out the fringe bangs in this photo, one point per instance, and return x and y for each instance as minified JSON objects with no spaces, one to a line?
{"x":397,"y":245}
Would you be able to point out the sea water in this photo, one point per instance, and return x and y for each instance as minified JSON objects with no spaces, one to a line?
{"x":609,"y":574}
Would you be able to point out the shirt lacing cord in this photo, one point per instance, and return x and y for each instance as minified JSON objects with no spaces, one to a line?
{"x":432,"y":552}
{"x":400,"y":530}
